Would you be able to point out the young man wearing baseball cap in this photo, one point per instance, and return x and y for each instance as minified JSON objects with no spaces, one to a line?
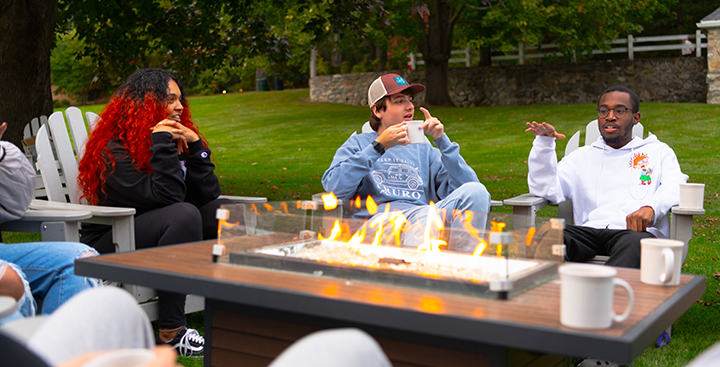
{"x":408,"y":177}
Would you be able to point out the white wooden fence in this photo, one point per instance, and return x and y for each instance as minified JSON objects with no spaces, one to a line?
{"x":629,"y":45}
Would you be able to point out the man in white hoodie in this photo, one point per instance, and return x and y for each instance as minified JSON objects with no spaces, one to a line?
{"x":622,"y":187}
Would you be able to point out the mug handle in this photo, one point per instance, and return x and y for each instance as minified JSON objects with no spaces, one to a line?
{"x":669,"y":257}
{"x":631,"y":302}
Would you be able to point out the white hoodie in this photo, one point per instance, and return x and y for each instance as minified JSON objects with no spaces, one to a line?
{"x":606,"y":184}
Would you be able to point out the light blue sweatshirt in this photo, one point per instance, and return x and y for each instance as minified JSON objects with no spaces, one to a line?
{"x":406,"y":176}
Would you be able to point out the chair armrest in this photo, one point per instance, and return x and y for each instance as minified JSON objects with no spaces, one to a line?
{"x":53,"y":225}
{"x":96,"y":210}
{"x":245,"y":199}
{"x":495,"y":203}
{"x":527,"y":200}
{"x":121,"y":219}
{"x":681,"y":211}
{"x":524,"y":208}
{"x":681,"y":225}
{"x":55,"y":215}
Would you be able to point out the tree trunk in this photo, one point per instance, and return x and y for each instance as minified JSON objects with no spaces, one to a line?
{"x":26,"y":37}
{"x":381,"y":54}
{"x":436,"y":53}
{"x":485,"y":56}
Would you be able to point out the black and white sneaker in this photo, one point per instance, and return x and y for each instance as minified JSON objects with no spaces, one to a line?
{"x":188,"y":342}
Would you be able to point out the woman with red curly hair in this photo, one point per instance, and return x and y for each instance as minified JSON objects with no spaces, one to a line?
{"x":146,"y":153}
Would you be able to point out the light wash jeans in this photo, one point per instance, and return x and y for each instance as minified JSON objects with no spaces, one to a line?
{"x":472,"y":196}
{"x":47,"y":268}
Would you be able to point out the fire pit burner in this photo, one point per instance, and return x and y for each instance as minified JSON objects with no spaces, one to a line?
{"x":401,"y":266}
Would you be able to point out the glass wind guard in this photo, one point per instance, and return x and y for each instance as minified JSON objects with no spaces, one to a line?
{"x":461,"y":252}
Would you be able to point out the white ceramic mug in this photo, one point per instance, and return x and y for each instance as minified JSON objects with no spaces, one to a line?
{"x":414,"y":132}
{"x":123,"y":358}
{"x":661,"y":261}
{"x":692,"y":195}
{"x":586,"y":296}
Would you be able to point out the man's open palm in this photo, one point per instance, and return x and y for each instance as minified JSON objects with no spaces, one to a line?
{"x":543,"y":129}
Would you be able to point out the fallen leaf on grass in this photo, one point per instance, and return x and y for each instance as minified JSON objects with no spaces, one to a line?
{"x":714,"y":259}
{"x":254,"y":163}
{"x":716,"y":274}
{"x":284,"y":168}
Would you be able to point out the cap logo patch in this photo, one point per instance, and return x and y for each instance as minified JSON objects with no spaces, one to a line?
{"x":400,"y":81}
{"x":204,"y":154}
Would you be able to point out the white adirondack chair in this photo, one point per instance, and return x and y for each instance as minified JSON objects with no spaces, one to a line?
{"x":525,"y":206}
{"x":63,"y":193}
{"x":28,"y":143}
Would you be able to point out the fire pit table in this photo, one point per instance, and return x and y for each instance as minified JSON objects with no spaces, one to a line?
{"x":253,"y":313}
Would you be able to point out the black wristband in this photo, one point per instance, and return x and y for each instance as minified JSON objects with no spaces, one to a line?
{"x":378,"y":147}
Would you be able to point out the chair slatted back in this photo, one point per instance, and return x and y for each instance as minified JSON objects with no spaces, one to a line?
{"x":592,"y":133}
{"x":79,"y":131}
{"x":66,"y":160}
{"x":92,"y":119}
{"x":48,"y":166}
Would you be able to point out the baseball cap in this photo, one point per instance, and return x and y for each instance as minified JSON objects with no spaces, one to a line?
{"x":389,"y":84}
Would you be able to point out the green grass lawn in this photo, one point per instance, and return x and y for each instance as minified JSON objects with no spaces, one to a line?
{"x":278,"y":145}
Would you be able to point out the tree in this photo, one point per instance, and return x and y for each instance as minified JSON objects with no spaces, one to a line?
{"x":26,"y":38}
{"x":186,"y":37}
{"x":575,"y":25}
{"x":183,"y":36}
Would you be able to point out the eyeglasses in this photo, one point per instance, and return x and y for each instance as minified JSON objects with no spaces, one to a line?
{"x":617,"y":111}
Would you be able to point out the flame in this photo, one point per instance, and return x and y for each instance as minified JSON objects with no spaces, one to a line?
{"x":270,"y":208}
{"x":378,"y":222}
{"x":359,"y":236}
{"x":285,"y":209}
{"x":298,"y":204}
{"x":398,"y":219}
{"x":329,"y":201}
{"x":466,"y":220}
{"x":371,"y":205}
{"x":358,"y":202}
{"x":481,"y":246}
{"x":530,"y":235}
{"x":254,"y":209}
{"x":334,"y":234}
{"x":223,"y":223}
{"x":498,"y":227}
{"x":429,"y":243}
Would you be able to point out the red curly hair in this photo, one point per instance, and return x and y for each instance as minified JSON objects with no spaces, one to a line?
{"x":135,"y":108}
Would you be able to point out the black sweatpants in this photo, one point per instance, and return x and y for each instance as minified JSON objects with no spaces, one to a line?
{"x":171,"y":225}
{"x":622,"y":245}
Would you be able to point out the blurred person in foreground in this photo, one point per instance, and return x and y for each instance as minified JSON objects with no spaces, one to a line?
{"x":34,"y":270}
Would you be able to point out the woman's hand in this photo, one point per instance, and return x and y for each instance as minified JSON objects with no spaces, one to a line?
{"x":181,"y":134}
